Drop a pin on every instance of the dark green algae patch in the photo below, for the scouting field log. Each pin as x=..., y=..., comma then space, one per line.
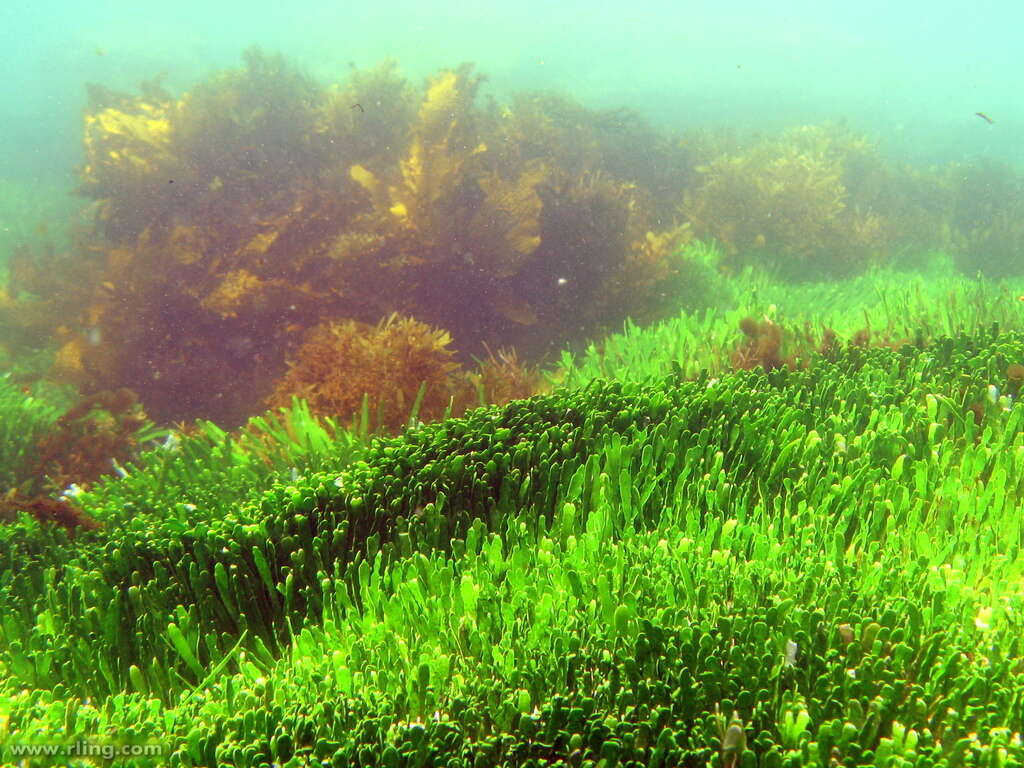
x=776, y=589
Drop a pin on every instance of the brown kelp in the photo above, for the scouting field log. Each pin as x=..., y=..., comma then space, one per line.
x=818, y=201
x=398, y=371
x=258, y=205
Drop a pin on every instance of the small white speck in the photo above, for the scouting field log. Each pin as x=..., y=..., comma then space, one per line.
x=791, y=651
x=73, y=491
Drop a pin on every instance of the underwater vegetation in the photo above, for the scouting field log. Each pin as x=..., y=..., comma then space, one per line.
x=404, y=369
x=800, y=567
x=391, y=365
x=48, y=453
x=230, y=220
x=25, y=421
x=989, y=218
x=98, y=432
x=817, y=201
x=778, y=527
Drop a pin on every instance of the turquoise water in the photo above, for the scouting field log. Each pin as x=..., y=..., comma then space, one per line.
x=913, y=76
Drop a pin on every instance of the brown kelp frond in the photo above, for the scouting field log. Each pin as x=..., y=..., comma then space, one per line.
x=130, y=165
x=783, y=194
x=425, y=194
x=608, y=254
x=555, y=129
x=251, y=125
x=505, y=228
x=368, y=118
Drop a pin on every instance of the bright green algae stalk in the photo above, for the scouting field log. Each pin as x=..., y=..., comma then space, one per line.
x=23, y=421
x=607, y=573
x=895, y=304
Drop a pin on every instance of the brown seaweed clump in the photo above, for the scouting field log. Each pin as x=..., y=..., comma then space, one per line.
x=94, y=438
x=766, y=344
x=499, y=378
x=761, y=345
x=1014, y=379
x=208, y=209
x=258, y=205
x=790, y=199
x=342, y=362
x=988, y=218
x=45, y=509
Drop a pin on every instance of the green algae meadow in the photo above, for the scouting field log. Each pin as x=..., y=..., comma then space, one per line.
x=664, y=561
x=511, y=385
